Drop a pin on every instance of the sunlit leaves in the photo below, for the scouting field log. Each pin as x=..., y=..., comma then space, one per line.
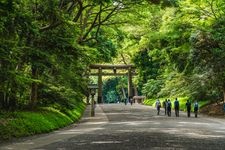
x=189, y=39
x=152, y=88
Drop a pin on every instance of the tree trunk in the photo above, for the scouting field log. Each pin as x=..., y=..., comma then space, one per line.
x=135, y=91
x=34, y=88
x=6, y=97
x=12, y=101
x=2, y=99
x=124, y=93
x=223, y=95
x=12, y=97
x=223, y=101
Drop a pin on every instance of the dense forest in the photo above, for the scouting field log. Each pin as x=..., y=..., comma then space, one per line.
x=177, y=46
x=178, y=49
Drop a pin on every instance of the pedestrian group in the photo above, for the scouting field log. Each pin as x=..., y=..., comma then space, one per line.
x=167, y=105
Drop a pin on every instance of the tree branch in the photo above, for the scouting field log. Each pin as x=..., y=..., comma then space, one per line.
x=123, y=59
x=99, y=20
x=109, y=15
x=212, y=9
x=81, y=8
x=50, y=26
x=90, y=28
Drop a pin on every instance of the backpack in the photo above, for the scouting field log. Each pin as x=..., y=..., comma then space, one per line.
x=188, y=104
x=176, y=104
x=159, y=105
x=169, y=104
x=196, y=104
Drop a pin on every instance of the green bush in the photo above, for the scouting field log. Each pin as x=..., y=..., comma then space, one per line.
x=46, y=119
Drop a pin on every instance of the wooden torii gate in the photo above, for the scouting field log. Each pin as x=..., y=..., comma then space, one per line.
x=130, y=72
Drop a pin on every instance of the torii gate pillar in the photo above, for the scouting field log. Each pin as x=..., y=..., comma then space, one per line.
x=100, y=85
x=130, y=91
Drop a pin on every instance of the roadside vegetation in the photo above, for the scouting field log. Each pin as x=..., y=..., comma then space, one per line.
x=43, y=120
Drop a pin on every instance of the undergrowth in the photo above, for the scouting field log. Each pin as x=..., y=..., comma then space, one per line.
x=43, y=120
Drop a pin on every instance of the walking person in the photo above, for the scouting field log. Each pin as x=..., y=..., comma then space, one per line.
x=169, y=106
x=188, y=106
x=196, y=109
x=125, y=101
x=158, y=106
x=176, y=106
x=165, y=106
x=131, y=101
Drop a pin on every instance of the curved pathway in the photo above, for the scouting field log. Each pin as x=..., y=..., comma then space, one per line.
x=120, y=127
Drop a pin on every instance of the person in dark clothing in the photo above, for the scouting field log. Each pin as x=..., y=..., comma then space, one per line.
x=131, y=101
x=196, y=109
x=165, y=106
x=176, y=106
x=188, y=106
x=125, y=101
x=169, y=106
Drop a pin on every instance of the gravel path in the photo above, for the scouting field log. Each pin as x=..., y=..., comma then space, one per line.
x=120, y=127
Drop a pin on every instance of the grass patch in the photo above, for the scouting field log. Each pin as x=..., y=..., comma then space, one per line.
x=150, y=102
x=24, y=123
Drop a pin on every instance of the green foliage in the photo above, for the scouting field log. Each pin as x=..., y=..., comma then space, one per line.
x=105, y=49
x=43, y=61
x=113, y=89
x=208, y=49
x=46, y=119
x=149, y=102
x=59, y=97
x=152, y=88
x=46, y=47
x=186, y=49
x=143, y=62
x=111, y=97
